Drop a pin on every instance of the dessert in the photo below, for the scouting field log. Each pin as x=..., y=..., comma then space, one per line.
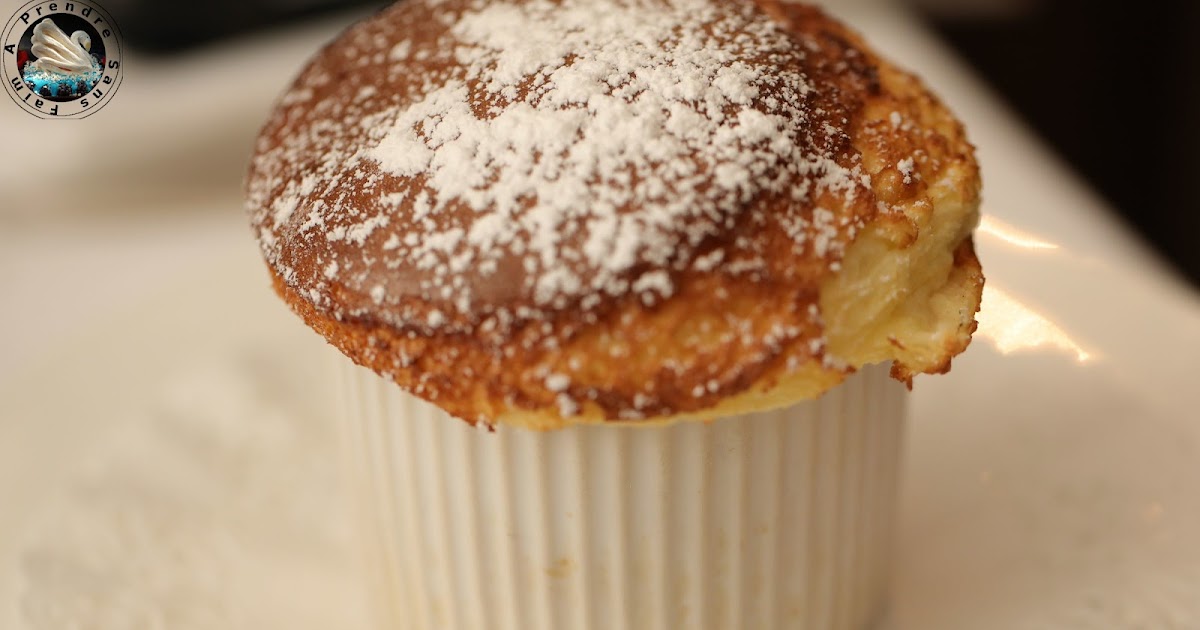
x=619, y=228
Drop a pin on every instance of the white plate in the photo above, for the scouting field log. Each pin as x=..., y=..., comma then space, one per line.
x=167, y=457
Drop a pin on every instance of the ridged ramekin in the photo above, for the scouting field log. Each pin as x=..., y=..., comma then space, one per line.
x=768, y=521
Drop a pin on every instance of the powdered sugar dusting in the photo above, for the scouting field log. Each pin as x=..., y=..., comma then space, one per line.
x=907, y=168
x=599, y=142
x=657, y=101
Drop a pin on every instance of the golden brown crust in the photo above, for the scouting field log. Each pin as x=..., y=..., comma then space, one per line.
x=761, y=324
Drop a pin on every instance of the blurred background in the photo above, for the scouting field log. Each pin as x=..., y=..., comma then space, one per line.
x=1114, y=88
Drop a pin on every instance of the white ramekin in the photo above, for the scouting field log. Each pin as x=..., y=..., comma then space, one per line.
x=769, y=521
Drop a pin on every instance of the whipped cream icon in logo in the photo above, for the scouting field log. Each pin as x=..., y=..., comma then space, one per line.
x=61, y=59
